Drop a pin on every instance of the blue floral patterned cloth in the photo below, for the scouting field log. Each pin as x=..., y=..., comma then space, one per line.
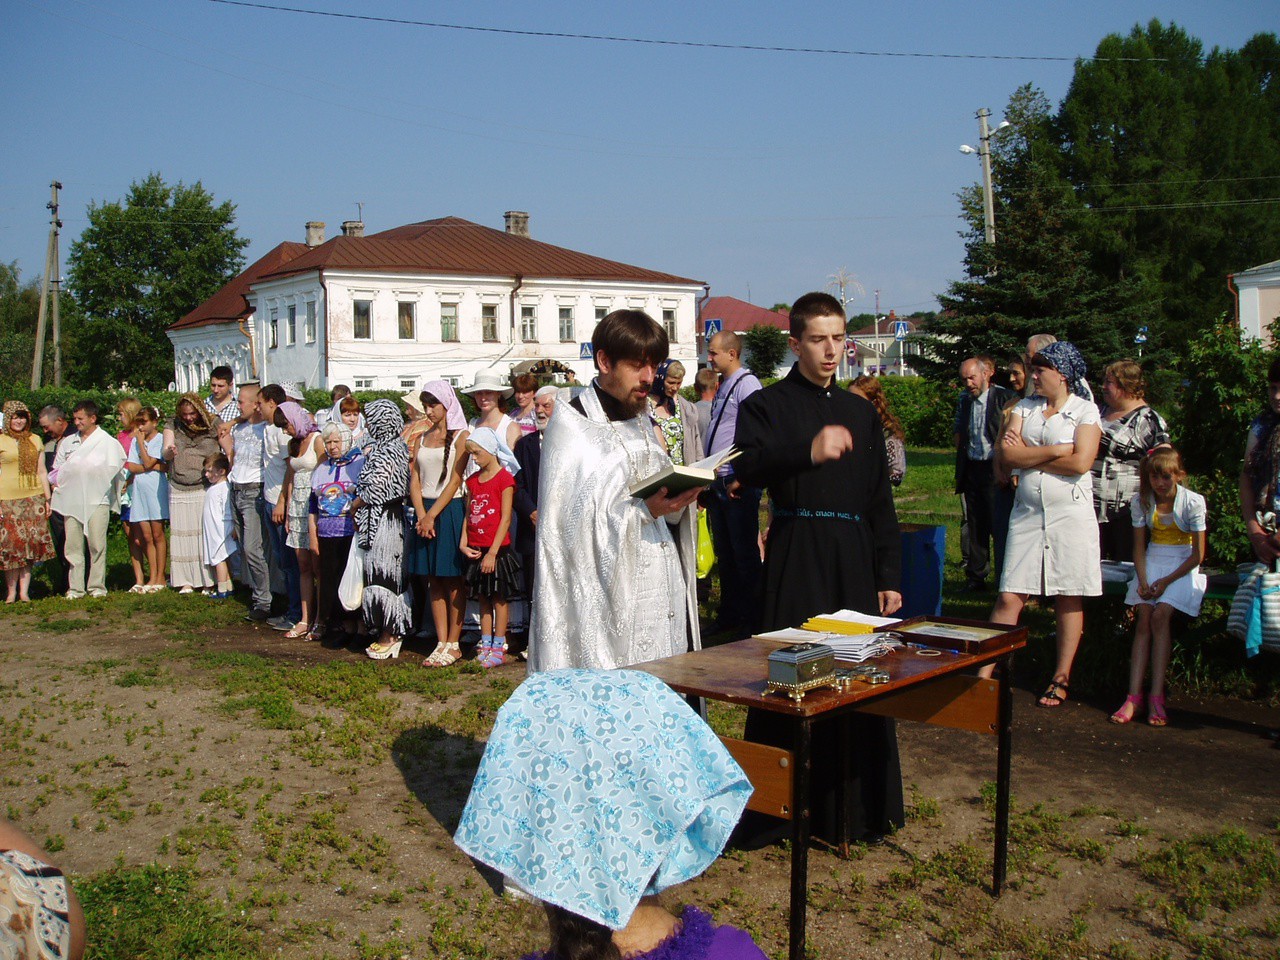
x=599, y=787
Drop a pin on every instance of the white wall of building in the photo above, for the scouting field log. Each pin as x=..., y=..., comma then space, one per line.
x=1259, y=295
x=296, y=352
x=385, y=360
x=196, y=351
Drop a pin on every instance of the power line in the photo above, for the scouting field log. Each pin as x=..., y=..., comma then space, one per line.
x=1143, y=183
x=1190, y=205
x=696, y=44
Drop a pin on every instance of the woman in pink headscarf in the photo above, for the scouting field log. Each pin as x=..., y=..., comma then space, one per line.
x=305, y=451
x=438, y=455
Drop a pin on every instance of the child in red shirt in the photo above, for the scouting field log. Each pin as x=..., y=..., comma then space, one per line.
x=493, y=572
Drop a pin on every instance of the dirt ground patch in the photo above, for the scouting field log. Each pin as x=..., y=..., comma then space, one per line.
x=314, y=794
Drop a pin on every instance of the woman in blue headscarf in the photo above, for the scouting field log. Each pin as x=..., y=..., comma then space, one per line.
x=1052, y=548
x=676, y=417
x=598, y=790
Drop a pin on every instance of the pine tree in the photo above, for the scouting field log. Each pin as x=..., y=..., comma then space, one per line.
x=1036, y=277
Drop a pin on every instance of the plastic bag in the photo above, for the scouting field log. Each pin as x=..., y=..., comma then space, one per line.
x=351, y=586
x=706, y=552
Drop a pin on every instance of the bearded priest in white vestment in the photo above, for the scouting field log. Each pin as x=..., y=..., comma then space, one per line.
x=615, y=579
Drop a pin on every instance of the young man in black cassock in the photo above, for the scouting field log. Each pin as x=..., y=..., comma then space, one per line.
x=833, y=543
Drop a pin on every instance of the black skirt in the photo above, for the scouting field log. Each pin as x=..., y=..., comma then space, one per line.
x=502, y=584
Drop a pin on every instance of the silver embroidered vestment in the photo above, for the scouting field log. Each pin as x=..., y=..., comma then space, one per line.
x=613, y=586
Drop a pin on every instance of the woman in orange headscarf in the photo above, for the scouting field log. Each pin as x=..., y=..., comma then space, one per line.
x=24, y=498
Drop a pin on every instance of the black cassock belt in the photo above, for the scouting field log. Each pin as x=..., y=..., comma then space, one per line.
x=802, y=513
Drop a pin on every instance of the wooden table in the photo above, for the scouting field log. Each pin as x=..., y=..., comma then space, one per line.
x=931, y=689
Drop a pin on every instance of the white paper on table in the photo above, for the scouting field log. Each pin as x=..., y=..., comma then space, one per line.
x=795, y=635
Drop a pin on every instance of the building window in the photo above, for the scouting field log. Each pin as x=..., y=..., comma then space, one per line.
x=528, y=324
x=566, y=324
x=291, y=325
x=601, y=313
x=489, y=322
x=448, y=321
x=408, y=384
x=361, y=328
x=310, y=330
x=452, y=380
x=362, y=383
x=669, y=324
x=275, y=328
x=405, y=315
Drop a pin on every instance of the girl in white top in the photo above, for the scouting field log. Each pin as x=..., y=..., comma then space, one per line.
x=1168, y=574
x=1052, y=547
x=435, y=491
x=304, y=450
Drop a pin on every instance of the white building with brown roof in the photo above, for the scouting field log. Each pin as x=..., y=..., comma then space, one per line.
x=438, y=299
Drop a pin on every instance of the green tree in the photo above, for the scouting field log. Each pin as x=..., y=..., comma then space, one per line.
x=765, y=348
x=1176, y=154
x=19, y=308
x=139, y=266
x=1036, y=277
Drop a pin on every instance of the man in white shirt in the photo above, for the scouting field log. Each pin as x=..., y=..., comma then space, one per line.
x=243, y=446
x=87, y=490
x=275, y=462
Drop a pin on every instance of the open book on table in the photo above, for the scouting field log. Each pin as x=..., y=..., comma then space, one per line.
x=679, y=479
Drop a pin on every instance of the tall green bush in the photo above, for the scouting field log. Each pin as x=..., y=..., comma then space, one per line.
x=925, y=409
x=1225, y=390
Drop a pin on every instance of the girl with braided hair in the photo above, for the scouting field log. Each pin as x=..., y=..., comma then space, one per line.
x=439, y=457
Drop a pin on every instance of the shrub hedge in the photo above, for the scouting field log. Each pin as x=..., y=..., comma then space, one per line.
x=164, y=400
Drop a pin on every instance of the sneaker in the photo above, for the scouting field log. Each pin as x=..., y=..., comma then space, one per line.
x=75, y=594
x=186, y=589
x=97, y=594
x=281, y=623
x=223, y=595
x=258, y=616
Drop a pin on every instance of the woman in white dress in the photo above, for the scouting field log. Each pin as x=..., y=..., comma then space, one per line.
x=1052, y=548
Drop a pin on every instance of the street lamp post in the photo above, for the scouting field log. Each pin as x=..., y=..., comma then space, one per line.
x=984, y=154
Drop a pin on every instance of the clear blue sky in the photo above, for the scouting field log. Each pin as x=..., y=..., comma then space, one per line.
x=760, y=173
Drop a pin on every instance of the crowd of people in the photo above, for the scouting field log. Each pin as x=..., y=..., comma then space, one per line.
x=252, y=486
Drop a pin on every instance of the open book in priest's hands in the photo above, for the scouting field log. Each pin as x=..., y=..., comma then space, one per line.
x=679, y=479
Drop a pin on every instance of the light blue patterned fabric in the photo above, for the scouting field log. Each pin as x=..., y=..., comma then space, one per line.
x=599, y=787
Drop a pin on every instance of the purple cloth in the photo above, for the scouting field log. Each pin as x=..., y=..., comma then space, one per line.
x=697, y=939
x=724, y=412
x=303, y=423
x=333, y=488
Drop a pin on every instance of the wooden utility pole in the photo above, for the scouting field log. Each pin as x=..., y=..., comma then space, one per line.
x=52, y=277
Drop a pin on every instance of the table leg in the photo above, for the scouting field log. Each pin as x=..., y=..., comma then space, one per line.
x=1004, y=741
x=800, y=828
x=844, y=796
